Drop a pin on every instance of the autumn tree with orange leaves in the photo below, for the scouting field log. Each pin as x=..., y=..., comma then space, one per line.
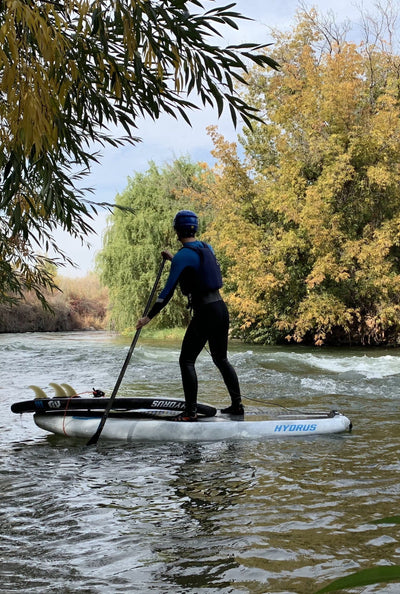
x=309, y=222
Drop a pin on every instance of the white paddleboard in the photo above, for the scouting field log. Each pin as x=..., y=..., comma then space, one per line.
x=218, y=428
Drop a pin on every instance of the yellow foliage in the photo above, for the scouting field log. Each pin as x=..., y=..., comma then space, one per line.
x=320, y=314
x=379, y=176
x=309, y=223
x=30, y=94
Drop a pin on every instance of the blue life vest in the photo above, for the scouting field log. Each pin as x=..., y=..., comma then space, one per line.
x=208, y=278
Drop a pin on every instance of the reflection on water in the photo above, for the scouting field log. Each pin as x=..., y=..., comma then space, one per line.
x=285, y=515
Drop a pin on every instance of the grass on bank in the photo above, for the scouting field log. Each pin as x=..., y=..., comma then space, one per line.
x=81, y=303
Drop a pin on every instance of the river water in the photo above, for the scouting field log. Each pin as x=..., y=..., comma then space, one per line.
x=285, y=515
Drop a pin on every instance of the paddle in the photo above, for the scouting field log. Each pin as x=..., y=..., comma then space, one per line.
x=93, y=440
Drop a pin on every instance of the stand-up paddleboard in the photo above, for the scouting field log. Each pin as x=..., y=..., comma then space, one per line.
x=128, y=427
x=151, y=419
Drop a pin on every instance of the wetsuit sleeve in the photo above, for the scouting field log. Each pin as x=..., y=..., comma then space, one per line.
x=179, y=262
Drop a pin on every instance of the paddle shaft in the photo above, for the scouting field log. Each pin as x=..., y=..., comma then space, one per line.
x=94, y=439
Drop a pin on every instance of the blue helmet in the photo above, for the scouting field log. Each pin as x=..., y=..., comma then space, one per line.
x=186, y=223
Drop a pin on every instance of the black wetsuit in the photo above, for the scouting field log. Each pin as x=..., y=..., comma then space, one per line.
x=210, y=322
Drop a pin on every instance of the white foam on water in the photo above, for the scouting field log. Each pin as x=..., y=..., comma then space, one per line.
x=367, y=366
x=325, y=385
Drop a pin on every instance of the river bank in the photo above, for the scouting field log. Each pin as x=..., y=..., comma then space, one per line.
x=79, y=304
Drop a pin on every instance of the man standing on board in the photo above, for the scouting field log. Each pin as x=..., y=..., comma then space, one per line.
x=197, y=271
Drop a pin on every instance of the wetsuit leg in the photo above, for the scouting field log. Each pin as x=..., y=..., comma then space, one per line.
x=210, y=322
x=218, y=327
x=193, y=342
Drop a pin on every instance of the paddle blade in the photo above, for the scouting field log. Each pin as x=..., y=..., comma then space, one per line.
x=94, y=439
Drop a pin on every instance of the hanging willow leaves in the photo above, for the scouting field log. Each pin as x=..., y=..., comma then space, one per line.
x=132, y=243
x=69, y=71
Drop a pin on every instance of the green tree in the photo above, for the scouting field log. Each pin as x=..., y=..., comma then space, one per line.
x=69, y=73
x=323, y=203
x=132, y=245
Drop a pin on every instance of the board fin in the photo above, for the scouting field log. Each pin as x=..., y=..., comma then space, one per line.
x=39, y=393
x=60, y=392
x=69, y=390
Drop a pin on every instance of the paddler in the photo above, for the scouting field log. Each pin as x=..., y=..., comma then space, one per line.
x=197, y=271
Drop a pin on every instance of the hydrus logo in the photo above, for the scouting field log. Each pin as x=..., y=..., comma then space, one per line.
x=295, y=427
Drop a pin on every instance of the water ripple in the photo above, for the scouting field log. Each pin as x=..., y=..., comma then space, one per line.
x=282, y=516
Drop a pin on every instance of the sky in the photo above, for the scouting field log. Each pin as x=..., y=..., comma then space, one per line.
x=167, y=139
